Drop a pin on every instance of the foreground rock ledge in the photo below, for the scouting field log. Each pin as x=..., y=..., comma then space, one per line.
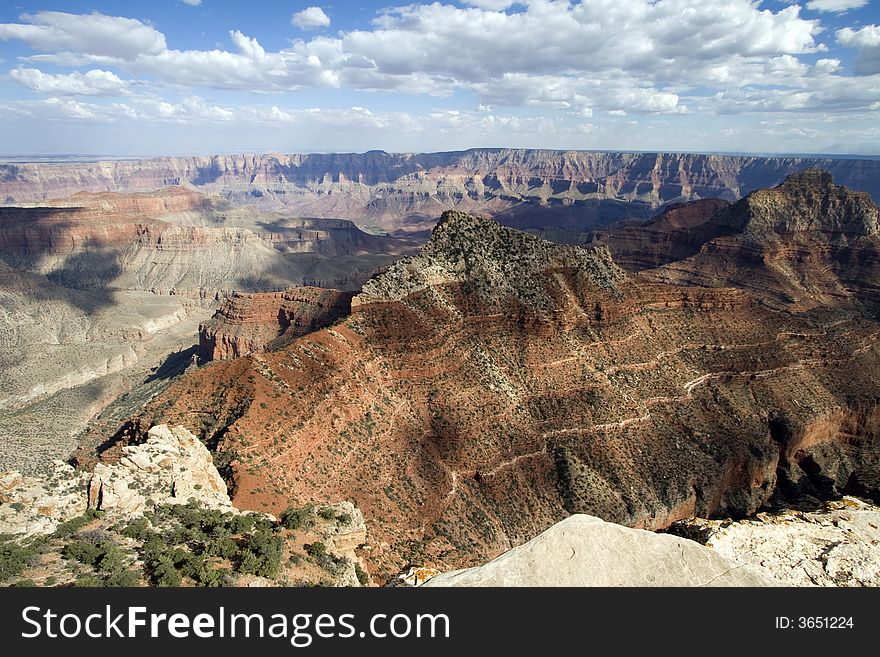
x=171, y=467
x=585, y=551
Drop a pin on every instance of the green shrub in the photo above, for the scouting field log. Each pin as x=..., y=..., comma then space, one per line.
x=113, y=560
x=138, y=529
x=71, y=527
x=362, y=575
x=89, y=581
x=316, y=549
x=293, y=518
x=123, y=578
x=14, y=558
x=209, y=576
x=223, y=547
x=85, y=552
x=248, y=562
x=162, y=572
x=261, y=554
x=241, y=524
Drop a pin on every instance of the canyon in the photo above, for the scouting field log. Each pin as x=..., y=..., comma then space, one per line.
x=103, y=292
x=574, y=190
x=496, y=383
x=675, y=350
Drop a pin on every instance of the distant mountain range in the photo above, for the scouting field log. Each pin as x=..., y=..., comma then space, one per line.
x=577, y=190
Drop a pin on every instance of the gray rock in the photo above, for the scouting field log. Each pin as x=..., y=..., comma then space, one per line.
x=171, y=467
x=586, y=551
x=835, y=546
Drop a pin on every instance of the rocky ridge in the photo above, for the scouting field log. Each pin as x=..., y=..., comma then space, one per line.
x=499, y=265
x=806, y=243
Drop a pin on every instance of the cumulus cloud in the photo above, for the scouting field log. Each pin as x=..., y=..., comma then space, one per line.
x=865, y=37
x=492, y=5
x=310, y=18
x=87, y=34
x=867, y=40
x=836, y=6
x=91, y=83
x=552, y=55
x=192, y=3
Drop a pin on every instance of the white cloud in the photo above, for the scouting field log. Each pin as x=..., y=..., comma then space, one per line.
x=310, y=18
x=867, y=40
x=865, y=37
x=87, y=34
x=91, y=83
x=836, y=6
x=188, y=110
x=679, y=56
x=492, y=5
x=192, y=3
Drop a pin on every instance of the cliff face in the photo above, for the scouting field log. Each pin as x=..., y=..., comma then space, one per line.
x=99, y=291
x=251, y=323
x=178, y=240
x=410, y=190
x=679, y=232
x=497, y=383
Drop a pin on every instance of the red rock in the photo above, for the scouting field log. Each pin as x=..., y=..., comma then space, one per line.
x=251, y=323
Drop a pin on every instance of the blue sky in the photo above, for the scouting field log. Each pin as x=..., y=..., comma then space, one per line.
x=217, y=76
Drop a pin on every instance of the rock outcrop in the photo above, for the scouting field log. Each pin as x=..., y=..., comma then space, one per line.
x=498, y=264
x=838, y=545
x=586, y=551
x=251, y=323
x=171, y=467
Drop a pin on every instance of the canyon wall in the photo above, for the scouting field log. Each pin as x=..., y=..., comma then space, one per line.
x=409, y=191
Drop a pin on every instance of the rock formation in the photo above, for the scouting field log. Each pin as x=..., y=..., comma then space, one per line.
x=160, y=515
x=249, y=323
x=180, y=241
x=832, y=546
x=409, y=191
x=804, y=244
x=496, y=383
x=585, y=551
x=171, y=467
